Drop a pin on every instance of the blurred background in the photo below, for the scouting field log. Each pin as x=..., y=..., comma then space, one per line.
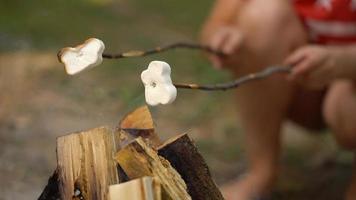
x=39, y=102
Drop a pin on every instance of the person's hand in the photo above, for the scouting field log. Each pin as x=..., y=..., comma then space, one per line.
x=226, y=39
x=314, y=66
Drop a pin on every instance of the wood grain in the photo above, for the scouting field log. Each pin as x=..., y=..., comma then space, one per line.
x=145, y=188
x=137, y=159
x=86, y=166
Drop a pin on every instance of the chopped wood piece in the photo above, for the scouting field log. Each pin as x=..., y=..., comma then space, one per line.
x=146, y=188
x=86, y=165
x=140, y=118
x=126, y=136
x=182, y=153
x=138, y=123
x=137, y=159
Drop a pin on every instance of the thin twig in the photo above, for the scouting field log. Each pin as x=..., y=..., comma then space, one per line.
x=236, y=83
x=223, y=86
x=162, y=49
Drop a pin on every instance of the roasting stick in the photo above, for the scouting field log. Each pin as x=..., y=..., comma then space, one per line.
x=90, y=54
x=159, y=88
x=178, y=45
x=237, y=82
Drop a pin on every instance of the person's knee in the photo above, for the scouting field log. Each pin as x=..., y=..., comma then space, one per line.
x=342, y=125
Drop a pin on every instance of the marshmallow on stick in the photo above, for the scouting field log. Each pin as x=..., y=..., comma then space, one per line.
x=84, y=56
x=159, y=88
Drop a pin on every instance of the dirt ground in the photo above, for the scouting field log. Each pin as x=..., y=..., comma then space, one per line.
x=39, y=103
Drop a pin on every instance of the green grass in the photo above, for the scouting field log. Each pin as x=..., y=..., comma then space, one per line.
x=52, y=24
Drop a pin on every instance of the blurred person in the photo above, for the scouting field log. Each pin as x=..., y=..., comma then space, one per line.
x=317, y=38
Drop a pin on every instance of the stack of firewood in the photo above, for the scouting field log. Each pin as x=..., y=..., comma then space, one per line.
x=129, y=163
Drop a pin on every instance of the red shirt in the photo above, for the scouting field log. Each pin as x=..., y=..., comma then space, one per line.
x=328, y=21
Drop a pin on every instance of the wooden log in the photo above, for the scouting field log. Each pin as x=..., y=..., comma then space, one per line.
x=86, y=166
x=138, y=123
x=146, y=188
x=182, y=153
x=137, y=159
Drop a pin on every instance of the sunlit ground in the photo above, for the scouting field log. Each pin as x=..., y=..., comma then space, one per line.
x=38, y=102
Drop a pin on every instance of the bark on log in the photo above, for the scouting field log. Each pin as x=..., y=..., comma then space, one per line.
x=137, y=159
x=86, y=165
x=146, y=188
x=182, y=153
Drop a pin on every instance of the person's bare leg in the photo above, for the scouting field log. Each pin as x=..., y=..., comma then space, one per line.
x=306, y=108
x=261, y=113
x=340, y=112
x=262, y=106
x=340, y=115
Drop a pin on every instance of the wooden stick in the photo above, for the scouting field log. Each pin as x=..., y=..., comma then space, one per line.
x=137, y=159
x=181, y=45
x=182, y=153
x=145, y=188
x=238, y=82
x=86, y=165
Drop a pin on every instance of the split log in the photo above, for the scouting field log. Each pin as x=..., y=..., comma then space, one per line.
x=138, y=123
x=86, y=166
x=185, y=158
x=137, y=159
x=146, y=188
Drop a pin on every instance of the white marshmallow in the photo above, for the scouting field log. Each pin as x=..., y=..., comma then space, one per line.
x=84, y=56
x=159, y=88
